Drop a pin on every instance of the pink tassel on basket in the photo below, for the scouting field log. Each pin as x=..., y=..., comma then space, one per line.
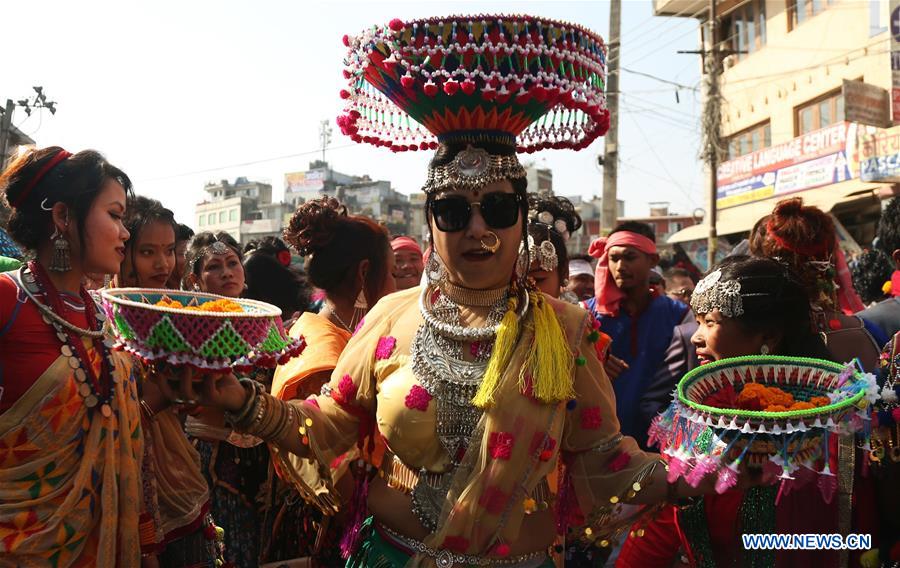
x=728, y=476
x=358, y=510
x=678, y=465
x=704, y=466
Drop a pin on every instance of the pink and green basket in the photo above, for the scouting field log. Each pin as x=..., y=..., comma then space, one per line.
x=702, y=440
x=209, y=341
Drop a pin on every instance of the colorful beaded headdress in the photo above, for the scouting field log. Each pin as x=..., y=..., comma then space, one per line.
x=520, y=81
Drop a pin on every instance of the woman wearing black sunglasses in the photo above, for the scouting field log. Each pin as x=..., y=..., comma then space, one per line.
x=465, y=393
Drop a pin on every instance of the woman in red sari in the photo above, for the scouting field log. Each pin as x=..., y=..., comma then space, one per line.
x=70, y=429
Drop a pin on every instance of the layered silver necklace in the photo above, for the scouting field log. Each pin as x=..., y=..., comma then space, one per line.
x=439, y=365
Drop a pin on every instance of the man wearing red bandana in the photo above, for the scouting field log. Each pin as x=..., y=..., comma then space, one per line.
x=639, y=321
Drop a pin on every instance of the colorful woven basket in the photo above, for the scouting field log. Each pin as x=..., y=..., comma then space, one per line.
x=523, y=79
x=702, y=439
x=209, y=341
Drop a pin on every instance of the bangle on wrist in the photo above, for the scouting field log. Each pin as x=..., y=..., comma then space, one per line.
x=148, y=410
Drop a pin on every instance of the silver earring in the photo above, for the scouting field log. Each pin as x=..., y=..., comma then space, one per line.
x=434, y=269
x=523, y=261
x=361, y=303
x=62, y=260
x=764, y=350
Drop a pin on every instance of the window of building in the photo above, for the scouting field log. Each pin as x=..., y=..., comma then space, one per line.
x=746, y=28
x=799, y=11
x=221, y=216
x=201, y=220
x=211, y=219
x=232, y=215
x=819, y=113
x=750, y=140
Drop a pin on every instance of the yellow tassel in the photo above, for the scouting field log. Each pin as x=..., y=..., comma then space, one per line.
x=551, y=361
x=504, y=345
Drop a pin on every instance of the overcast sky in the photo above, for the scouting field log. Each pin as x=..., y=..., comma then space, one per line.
x=181, y=93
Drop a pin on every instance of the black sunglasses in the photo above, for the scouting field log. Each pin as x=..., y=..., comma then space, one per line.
x=451, y=214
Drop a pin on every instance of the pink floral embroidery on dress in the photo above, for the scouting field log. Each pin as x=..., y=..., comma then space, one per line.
x=346, y=391
x=619, y=462
x=500, y=445
x=493, y=500
x=312, y=402
x=361, y=323
x=590, y=418
x=385, y=347
x=418, y=398
x=546, y=444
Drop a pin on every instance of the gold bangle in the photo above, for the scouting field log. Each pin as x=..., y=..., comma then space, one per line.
x=148, y=410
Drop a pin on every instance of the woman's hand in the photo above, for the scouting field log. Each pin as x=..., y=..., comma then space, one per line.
x=222, y=391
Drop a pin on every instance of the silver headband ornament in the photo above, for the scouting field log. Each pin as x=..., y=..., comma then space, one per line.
x=712, y=293
x=217, y=248
x=472, y=169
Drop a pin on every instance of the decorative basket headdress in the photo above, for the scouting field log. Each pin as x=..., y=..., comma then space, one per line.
x=525, y=82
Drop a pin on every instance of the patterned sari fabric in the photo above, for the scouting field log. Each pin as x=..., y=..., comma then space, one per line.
x=70, y=490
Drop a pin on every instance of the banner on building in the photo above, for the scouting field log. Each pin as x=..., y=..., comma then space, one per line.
x=304, y=181
x=815, y=159
x=879, y=156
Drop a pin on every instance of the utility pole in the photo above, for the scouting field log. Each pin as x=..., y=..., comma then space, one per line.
x=712, y=129
x=37, y=102
x=5, y=127
x=324, y=136
x=711, y=148
x=611, y=141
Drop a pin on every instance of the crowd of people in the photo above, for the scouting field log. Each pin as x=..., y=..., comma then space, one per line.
x=184, y=479
x=485, y=396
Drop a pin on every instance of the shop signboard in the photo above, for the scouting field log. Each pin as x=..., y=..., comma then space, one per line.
x=815, y=159
x=879, y=156
x=866, y=104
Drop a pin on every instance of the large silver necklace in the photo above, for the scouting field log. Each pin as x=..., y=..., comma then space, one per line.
x=452, y=381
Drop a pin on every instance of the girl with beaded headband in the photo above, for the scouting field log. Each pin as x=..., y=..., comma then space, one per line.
x=477, y=383
x=69, y=415
x=745, y=306
x=551, y=220
x=176, y=498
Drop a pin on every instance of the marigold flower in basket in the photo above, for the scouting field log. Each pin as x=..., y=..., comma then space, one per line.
x=208, y=332
x=761, y=411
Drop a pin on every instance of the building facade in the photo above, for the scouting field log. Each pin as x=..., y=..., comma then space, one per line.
x=244, y=209
x=803, y=82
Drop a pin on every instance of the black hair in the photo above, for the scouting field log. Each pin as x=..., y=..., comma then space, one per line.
x=197, y=248
x=270, y=281
x=676, y=272
x=336, y=243
x=267, y=245
x=871, y=270
x=141, y=212
x=774, y=299
x=642, y=229
x=183, y=233
x=889, y=228
x=75, y=181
